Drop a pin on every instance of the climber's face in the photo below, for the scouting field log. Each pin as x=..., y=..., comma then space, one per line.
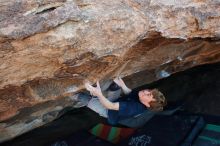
x=145, y=96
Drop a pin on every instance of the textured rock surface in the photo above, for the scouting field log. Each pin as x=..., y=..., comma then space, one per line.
x=49, y=48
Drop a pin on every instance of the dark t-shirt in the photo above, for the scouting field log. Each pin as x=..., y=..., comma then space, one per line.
x=129, y=106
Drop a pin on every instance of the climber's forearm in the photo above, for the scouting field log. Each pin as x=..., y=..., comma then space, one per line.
x=108, y=104
x=121, y=84
x=125, y=89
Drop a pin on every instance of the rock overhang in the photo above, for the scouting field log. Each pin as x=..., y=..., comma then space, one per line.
x=48, y=49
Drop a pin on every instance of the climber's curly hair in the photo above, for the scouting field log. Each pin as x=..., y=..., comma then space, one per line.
x=160, y=102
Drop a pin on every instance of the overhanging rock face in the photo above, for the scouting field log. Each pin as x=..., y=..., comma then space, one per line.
x=49, y=48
